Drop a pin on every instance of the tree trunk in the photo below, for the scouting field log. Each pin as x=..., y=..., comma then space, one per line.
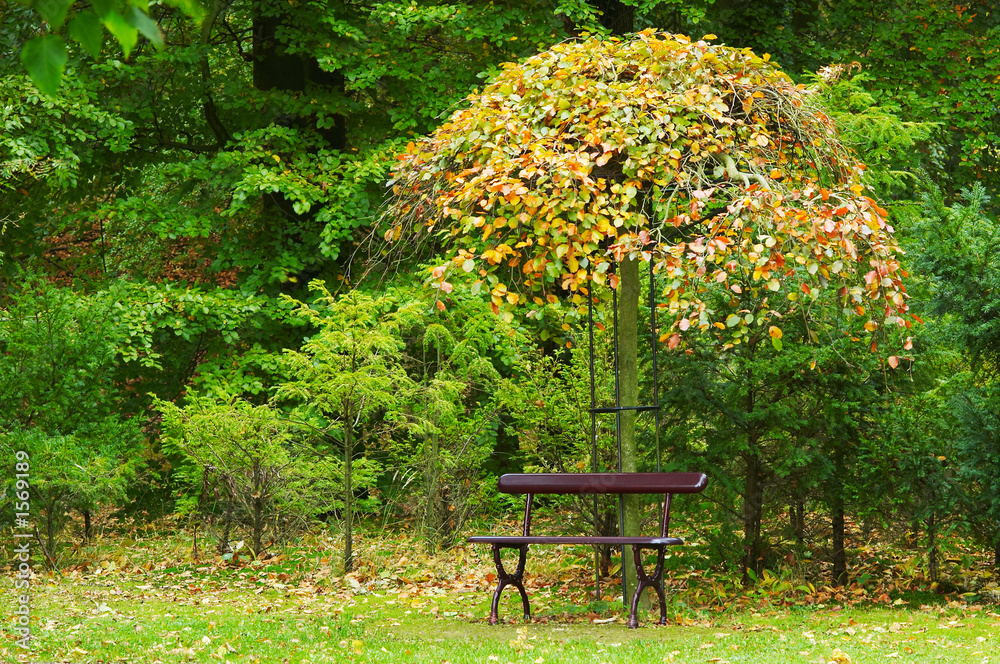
x=629, y=289
x=996, y=554
x=753, y=503
x=797, y=517
x=50, y=527
x=839, y=552
x=86, y=525
x=615, y=15
x=348, y=491
x=432, y=507
x=932, y=562
x=274, y=68
x=913, y=537
x=258, y=510
x=224, y=538
x=433, y=514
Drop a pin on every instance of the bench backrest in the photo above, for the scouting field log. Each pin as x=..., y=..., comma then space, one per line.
x=595, y=483
x=588, y=483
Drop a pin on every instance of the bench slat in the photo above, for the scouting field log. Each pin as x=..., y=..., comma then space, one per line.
x=517, y=540
x=588, y=483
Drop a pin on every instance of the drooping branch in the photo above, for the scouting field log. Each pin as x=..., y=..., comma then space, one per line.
x=735, y=174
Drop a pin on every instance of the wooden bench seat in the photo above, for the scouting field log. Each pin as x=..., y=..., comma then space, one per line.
x=666, y=484
x=515, y=540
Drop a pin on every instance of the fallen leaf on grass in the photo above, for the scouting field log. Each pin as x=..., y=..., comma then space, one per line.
x=838, y=656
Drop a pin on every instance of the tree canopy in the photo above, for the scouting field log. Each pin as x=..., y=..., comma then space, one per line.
x=706, y=159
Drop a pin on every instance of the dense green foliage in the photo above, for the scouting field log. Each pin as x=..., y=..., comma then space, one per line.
x=174, y=176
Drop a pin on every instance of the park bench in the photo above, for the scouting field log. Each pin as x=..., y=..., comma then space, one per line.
x=589, y=483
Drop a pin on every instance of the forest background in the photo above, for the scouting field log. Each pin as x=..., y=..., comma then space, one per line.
x=192, y=250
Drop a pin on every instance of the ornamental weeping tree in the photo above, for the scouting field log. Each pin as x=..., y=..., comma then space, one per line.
x=570, y=168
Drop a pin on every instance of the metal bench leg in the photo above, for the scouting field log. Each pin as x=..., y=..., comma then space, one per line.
x=647, y=582
x=504, y=579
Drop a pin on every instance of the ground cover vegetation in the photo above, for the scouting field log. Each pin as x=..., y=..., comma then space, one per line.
x=277, y=351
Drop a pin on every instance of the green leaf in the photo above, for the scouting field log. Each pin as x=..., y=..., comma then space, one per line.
x=53, y=11
x=776, y=342
x=45, y=59
x=85, y=28
x=126, y=35
x=141, y=4
x=189, y=7
x=146, y=25
x=103, y=7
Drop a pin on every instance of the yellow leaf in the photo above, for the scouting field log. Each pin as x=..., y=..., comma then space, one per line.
x=838, y=656
x=775, y=332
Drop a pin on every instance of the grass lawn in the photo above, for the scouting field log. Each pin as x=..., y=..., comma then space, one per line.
x=146, y=600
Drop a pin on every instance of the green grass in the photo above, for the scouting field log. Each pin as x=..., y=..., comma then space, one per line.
x=147, y=601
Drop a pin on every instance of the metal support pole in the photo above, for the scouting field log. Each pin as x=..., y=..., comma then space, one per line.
x=654, y=341
x=618, y=439
x=593, y=429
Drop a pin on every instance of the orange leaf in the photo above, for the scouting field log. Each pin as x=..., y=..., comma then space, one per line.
x=440, y=305
x=893, y=361
x=674, y=340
